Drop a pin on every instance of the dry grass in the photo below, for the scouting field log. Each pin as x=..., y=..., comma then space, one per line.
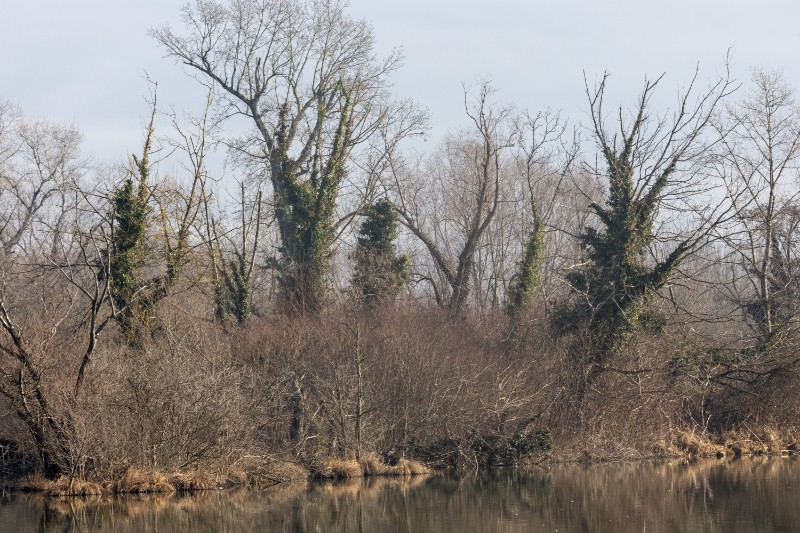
x=406, y=467
x=418, y=469
x=263, y=472
x=760, y=441
x=333, y=468
x=192, y=481
x=370, y=464
x=286, y=471
x=63, y=486
x=734, y=443
x=688, y=443
x=137, y=481
x=35, y=483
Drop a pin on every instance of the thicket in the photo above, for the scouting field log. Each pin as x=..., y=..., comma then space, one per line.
x=509, y=296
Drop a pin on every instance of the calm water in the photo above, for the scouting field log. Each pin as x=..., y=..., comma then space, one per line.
x=747, y=495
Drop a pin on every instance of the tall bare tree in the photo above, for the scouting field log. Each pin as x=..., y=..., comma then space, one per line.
x=544, y=165
x=306, y=77
x=467, y=177
x=760, y=156
x=48, y=328
x=40, y=162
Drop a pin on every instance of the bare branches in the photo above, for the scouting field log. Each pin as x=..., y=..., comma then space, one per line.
x=652, y=166
x=469, y=170
x=306, y=75
x=40, y=162
x=759, y=157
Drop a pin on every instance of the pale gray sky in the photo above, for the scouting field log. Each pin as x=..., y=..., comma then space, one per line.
x=83, y=61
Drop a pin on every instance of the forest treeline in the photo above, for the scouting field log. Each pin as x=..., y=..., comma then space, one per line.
x=625, y=287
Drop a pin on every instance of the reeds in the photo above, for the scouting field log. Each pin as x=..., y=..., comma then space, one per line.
x=136, y=481
x=333, y=468
x=194, y=480
x=741, y=442
x=369, y=464
x=131, y=481
x=62, y=486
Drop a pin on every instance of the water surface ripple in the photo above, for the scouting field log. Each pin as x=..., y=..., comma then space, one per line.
x=752, y=495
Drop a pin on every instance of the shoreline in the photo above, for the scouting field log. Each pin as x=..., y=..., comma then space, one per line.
x=141, y=481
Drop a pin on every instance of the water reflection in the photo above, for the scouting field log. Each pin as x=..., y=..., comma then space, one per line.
x=747, y=495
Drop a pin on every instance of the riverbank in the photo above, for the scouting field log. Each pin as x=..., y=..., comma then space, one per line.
x=408, y=383
x=260, y=473
x=750, y=495
x=685, y=444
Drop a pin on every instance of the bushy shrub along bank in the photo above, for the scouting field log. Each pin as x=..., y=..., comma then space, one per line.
x=345, y=395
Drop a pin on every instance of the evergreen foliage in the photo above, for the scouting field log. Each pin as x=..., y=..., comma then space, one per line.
x=128, y=246
x=617, y=280
x=135, y=292
x=641, y=163
x=379, y=273
x=526, y=279
x=304, y=208
x=232, y=297
x=309, y=79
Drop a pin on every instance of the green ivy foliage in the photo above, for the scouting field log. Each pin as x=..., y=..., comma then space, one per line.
x=128, y=248
x=616, y=281
x=380, y=274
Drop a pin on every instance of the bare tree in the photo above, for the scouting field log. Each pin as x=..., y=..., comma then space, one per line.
x=760, y=156
x=40, y=161
x=306, y=77
x=544, y=165
x=466, y=178
x=45, y=346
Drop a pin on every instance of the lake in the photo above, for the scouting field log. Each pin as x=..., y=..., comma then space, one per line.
x=746, y=495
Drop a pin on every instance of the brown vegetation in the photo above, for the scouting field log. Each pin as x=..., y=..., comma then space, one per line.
x=369, y=464
x=558, y=305
x=260, y=405
x=62, y=486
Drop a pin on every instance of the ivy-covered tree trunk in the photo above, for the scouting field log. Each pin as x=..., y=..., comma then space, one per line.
x=232, y=278
x=128, y=249
x=644, y=166
x=308, y=78
x=304, y=209
x=379, y=273
x=232, y=293
x=520, y=293
x=134, y=292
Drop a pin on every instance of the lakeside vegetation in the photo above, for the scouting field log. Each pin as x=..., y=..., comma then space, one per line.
x=343, y=305
x=748, y=494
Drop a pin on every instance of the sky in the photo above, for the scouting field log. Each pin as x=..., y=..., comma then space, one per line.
x=85, y=62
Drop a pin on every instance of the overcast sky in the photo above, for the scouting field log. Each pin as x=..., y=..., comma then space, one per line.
x=84, y=61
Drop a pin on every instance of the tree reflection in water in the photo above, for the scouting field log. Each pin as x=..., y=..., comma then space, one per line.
x=745, y=495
